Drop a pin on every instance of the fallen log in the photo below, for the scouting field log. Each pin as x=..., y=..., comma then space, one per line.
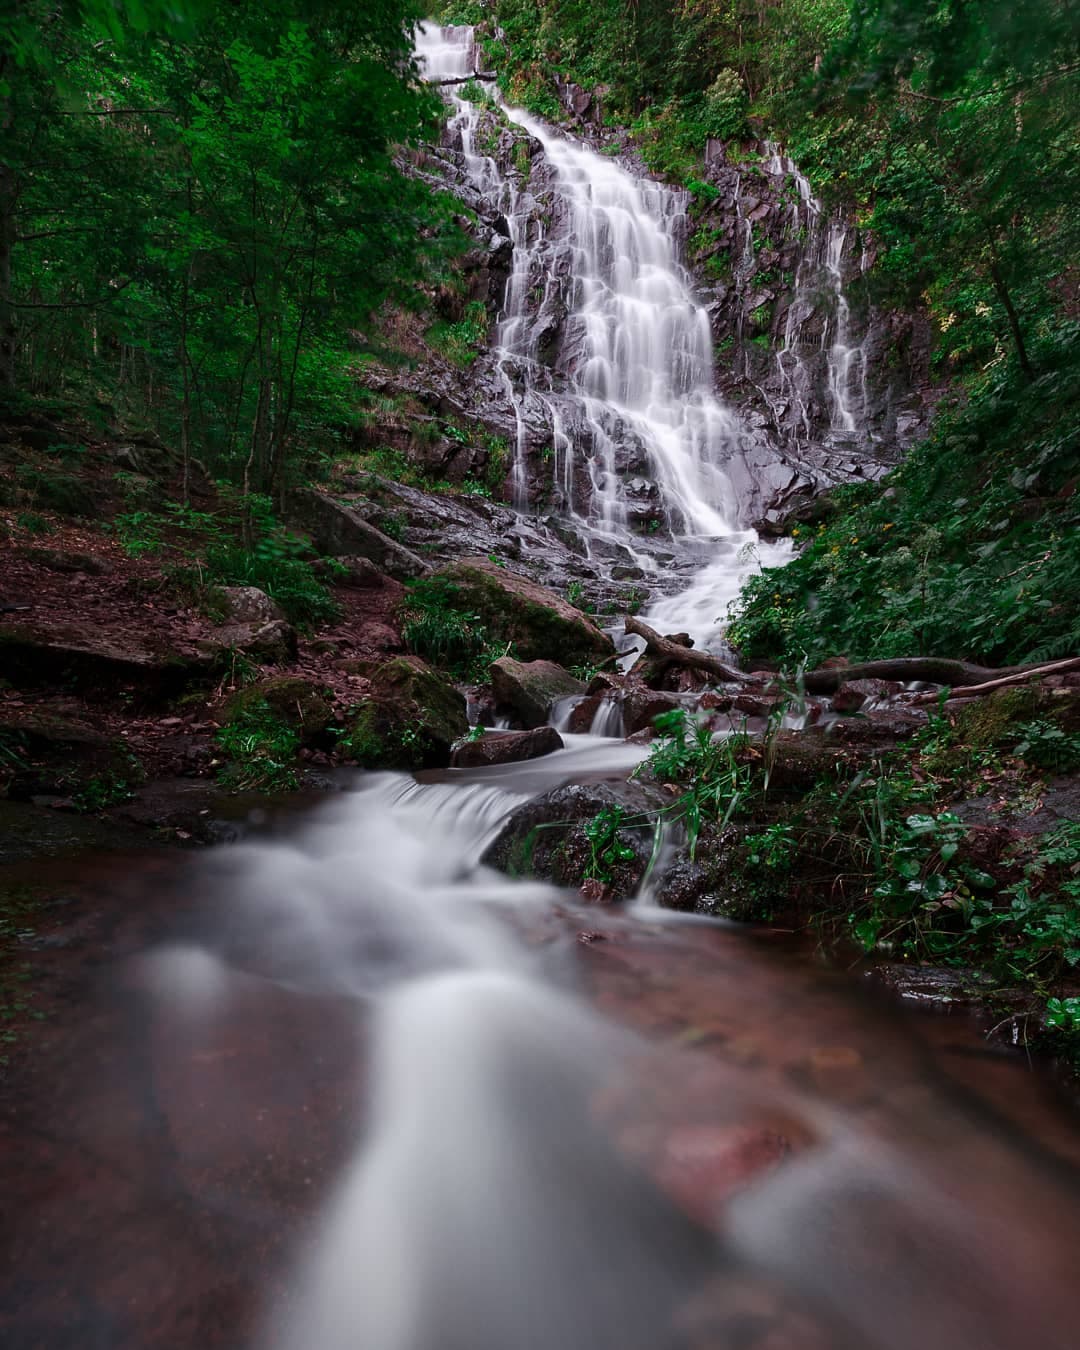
x=931, y=669
x=1004, y=681
x=965, y=678
x=466, y=79
x=665, y=653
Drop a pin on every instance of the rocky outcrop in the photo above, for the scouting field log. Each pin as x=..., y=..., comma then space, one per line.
x=527, y=690
x=337, y=528
x=533, y=619
x=83, y=656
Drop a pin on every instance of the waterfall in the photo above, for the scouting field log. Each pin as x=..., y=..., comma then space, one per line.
x=819, y=295
x=602, y=344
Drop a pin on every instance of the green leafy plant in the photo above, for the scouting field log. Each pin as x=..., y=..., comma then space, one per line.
x=260, y=749
x=1048, y=746
x=436, y=626
x=606, y=848
x=33, y=523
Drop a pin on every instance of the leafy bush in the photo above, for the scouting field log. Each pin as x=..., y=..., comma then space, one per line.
x=461, y=342
x=436, y=626
x=33, y=523
x=726, y=105
x=970, y=548
x=273, y=565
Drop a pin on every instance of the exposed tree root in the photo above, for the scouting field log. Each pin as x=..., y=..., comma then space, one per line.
x=663, y=653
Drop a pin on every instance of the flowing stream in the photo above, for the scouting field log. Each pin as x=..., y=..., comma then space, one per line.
x=415, y=1104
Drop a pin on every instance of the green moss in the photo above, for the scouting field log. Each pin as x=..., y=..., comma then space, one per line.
x=992, y=720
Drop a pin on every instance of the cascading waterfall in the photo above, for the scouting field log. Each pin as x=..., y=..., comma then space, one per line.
x=819, y=290
x=638, y=439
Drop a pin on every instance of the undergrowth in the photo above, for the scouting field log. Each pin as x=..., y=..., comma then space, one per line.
x=259, y=748
x=970, y=548
x=438, y=626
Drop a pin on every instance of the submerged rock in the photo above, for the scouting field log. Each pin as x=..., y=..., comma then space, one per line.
x=506, y=747
x=528, y=689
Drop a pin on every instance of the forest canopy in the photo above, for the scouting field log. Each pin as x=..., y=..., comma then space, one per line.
x=199, y=203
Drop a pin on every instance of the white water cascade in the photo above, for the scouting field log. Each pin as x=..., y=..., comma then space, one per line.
x=638, y=436
x=819, y=289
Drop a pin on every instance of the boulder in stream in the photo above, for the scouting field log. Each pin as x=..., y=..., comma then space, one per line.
x=526, y=690
x=546, y=838
x=506, y=747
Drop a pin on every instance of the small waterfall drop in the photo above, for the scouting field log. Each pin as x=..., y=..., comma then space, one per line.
x=819, y=291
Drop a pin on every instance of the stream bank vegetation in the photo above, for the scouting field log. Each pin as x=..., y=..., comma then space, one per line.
x=956, y=847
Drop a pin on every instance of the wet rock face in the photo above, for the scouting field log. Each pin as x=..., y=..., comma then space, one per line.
x=506, y=747
x=527, y=690
x=840, y=386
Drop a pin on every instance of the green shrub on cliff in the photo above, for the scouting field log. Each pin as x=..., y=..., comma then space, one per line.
x=971, y=548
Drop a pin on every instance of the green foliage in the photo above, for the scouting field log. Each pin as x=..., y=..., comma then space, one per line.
x=1063, y=1014
x=101, y=791
x=461, y=342
x=138, y=532
x=436, y=625
x=260, y=747
x=971, y=547
x=1048, y=746
x=33, y=523
x=717, y=778
x=606, y=848
x=202, y=206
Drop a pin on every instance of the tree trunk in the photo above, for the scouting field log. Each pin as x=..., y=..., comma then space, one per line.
x=1014, y=321
x=8, y=331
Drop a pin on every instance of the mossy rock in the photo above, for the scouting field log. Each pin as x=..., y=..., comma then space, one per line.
x=546, y=838
x=529, y=689
x=540, y=624
x=410, y=721
x=995, y=718
x=299, y=703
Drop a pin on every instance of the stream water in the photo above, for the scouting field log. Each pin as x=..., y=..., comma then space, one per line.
x=347, y=1088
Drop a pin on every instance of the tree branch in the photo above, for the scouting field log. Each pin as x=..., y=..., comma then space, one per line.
x=466, y=79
